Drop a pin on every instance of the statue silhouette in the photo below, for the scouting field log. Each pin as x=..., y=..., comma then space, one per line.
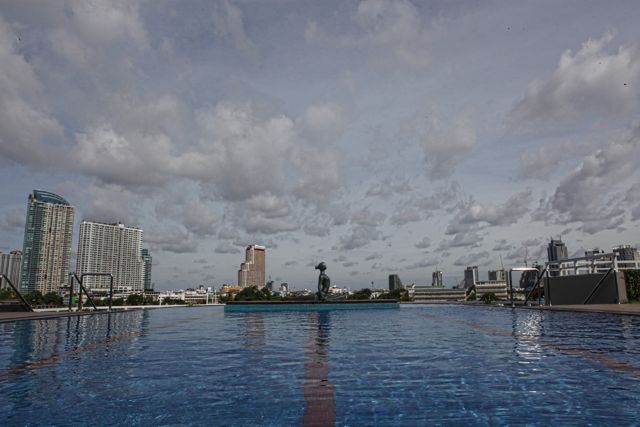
x=324, y=283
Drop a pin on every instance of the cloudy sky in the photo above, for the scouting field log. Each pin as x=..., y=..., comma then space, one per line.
x=378, y=136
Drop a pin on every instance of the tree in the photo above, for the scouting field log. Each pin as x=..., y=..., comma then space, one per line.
x=135, y=299
x=252, y=293
x=7, y=293
x=52, y=298
x=362, y=294
x=34, y=298
x=489, y=297
x=632, y=280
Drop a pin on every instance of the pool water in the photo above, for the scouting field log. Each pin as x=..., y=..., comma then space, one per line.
x=420, y=365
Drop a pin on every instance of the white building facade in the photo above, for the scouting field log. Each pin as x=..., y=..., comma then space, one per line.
x=10, y=265
x=113, y=249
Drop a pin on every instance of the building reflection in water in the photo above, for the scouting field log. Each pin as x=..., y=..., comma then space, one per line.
x=319, y=394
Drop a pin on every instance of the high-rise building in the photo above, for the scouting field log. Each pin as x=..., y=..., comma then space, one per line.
x=471, y=276
x=497, y=275
x=146, y=270
x=436, y=278
x=626, y=253
x=252, y=270
x=10, y=266
x=114, y=249
x=556, y=251
x=394, y=282
x=48, y=232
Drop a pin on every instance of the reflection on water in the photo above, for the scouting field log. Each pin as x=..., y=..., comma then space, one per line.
x=319, y=393
x=527, y=332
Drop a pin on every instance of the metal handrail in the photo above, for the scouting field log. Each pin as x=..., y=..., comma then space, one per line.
x=82, y=288
x=82, y=276
x=537, y=285
x=600, y=282
x=24, y=301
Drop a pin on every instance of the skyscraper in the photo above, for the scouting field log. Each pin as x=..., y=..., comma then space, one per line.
x=394, y=282
x=10, y=266
x=48, y=232
x=114, y=249
x=436, y=278
x=146, y=267
x=497, y=275
x=556, y=251
x=252, y=270
x=471, y=276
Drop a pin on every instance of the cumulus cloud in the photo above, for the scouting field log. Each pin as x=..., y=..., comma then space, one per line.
x=512, y=210
x=590, y=81
x=473, y=259
x=171, y=240
x=540, y=162
x=502, y=245
x=424, y=243
x=446, y=144
x=28, y=133
x=226, y=248
x=585, y=195
x=422, y=264
x=228, y=24
x=390, y=31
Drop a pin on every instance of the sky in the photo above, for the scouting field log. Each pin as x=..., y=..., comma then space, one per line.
x=381, y=137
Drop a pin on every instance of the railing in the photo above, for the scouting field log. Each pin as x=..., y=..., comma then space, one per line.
x=537, y=285
x=520, y=269
x=597, y=286
x=82, y=288
x=24, y=302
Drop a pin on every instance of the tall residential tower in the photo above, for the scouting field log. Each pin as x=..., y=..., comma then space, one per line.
x=114, y=249
x=48, y=232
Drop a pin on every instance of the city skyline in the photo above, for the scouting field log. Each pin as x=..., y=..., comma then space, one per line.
x=380, y=137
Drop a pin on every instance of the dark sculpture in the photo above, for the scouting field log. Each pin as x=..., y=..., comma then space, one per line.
x=324, y=283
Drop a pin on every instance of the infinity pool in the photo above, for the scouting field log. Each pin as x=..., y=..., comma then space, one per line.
x=420, y=365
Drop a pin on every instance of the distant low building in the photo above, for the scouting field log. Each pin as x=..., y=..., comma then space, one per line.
x=626, y=253
x=497, y=275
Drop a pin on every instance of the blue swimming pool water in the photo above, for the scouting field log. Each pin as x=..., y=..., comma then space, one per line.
x=420, y=365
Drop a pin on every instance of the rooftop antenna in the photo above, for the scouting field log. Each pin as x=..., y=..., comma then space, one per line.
x=501, y=263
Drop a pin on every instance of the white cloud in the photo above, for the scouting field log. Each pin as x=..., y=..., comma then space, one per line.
x=590, y=81
x=446, y=144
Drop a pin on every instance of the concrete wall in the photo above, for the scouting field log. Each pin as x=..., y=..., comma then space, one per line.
x=575, y=289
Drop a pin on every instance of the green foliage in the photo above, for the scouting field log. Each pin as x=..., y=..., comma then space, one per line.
x=117, y=301
x=399, y=294
x=362, y=294
x=34, y=298
x=489, y=297
x=252, y=293
x=135, y=299
x=632, y=279
x=7, y=293
x=52, y=298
